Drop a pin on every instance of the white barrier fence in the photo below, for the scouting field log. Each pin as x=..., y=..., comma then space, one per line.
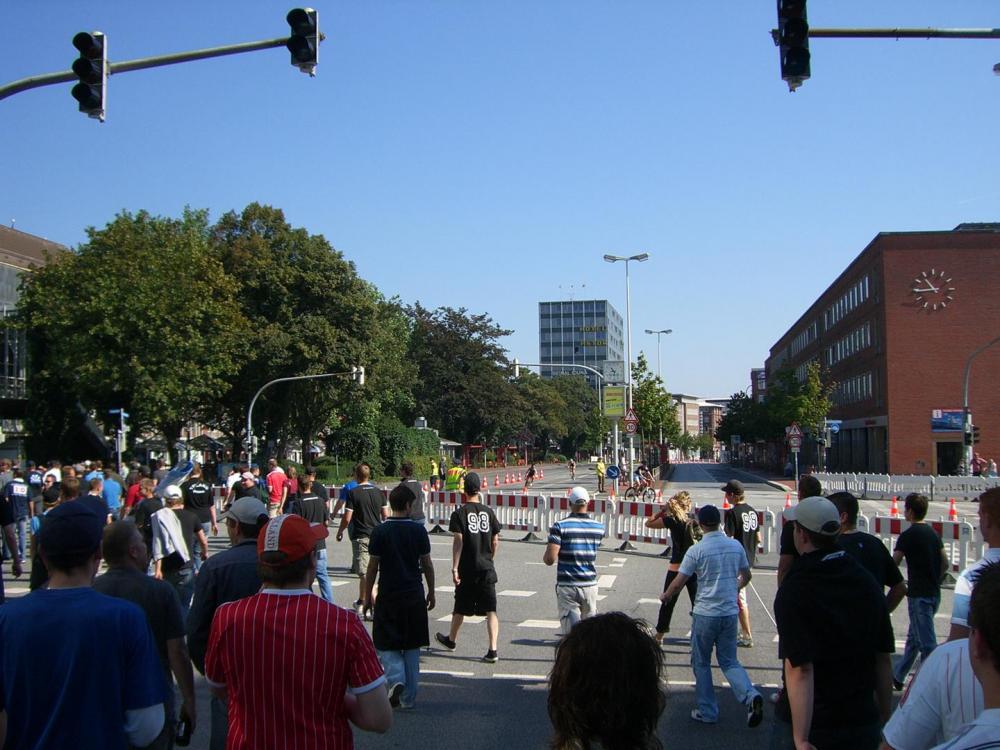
x=886, y=486
x=625, y=521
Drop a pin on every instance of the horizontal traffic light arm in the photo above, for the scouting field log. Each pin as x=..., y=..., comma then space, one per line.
x=848, y=33
x=142, y=63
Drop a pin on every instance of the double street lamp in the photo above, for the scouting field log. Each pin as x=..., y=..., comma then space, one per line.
x=659, y=374
x=640, y=258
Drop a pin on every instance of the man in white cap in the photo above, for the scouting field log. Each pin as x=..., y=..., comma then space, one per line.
x=835, y=640
x=573, y=543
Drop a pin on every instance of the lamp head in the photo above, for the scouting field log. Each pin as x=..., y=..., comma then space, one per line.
x=641, y=257
x=611, y=258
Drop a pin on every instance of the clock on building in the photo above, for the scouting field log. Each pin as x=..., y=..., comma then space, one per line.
x=932, y=290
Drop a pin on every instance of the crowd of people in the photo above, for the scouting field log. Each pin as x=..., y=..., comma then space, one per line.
x=126, y=604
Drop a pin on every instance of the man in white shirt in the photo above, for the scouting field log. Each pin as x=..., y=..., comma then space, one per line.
x=943, y=696
x=983, y=733
x=989, y=525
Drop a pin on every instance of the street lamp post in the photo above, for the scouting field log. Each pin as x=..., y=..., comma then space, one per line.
x=640, y=258
x=659, y=374
x=356, y=373
x=966, y=413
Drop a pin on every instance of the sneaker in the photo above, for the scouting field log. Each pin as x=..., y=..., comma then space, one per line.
x=744, y=642
x=897, y=685
x=359, y=607
x=395, y=692
x=696, y=715
x=491, y=657
x=445, y=641
x=755, y=712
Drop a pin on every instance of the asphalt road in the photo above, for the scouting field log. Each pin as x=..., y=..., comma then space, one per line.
x=465, y=703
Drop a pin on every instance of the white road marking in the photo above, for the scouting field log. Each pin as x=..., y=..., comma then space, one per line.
x=532, y=677
x=442, y=543
x=445, y=589
x=534, y=563
x=601, y=597
x=441, y=559
x=775, y=639
x=512, y=592
x=616, y=565
x=606, y=582
x=339, y=583
x=473, y=620
x=619, y=559
x=548, y=624
x=650, y=601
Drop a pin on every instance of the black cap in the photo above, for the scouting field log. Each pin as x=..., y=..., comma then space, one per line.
x=734, y=486
x=472, y=483
x=70, y=529
x=708, y=515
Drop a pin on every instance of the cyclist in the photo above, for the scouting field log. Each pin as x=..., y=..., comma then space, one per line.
x=530, y=476
x=643, y=477
x=572, y=469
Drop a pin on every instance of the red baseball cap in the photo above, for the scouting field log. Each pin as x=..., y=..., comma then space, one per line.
x=293, y=535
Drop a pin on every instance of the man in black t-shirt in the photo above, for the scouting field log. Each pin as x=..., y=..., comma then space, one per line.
x=742, y=525
x=364, y=509
x=868, y=550
x=927, y=564
x=475, y=537
x=835, y=641
x=198, y=499
x=312, y=507
x=407, y=480
x=809, y=486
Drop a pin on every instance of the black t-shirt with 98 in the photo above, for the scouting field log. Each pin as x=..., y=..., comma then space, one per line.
x=478, y=525
x=742, y=524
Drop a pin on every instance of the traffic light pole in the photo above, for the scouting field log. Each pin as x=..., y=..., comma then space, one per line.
x=847, y=33
x=142, y=63
x=966, y=413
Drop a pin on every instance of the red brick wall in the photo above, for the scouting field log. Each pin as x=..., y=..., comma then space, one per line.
x=927, y=351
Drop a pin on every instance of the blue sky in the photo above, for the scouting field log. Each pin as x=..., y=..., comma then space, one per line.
x=487, y=154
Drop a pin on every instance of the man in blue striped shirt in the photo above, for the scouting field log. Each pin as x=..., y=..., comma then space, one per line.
x=573, y=542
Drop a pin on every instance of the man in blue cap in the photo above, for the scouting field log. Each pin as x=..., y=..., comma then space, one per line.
x=722, y=568
x=57, y=643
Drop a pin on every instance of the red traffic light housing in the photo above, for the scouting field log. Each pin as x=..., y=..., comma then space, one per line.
x=304, y=41
x=91, y=67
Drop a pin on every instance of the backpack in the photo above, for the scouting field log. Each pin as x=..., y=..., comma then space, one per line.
x=692, y=530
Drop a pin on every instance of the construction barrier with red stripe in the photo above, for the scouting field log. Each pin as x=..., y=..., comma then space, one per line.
x=959, y=538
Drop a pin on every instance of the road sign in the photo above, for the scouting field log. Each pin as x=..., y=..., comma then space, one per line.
x=631, y=427
x=614, y=401
x=631, y=421
x=794, y=431
x=795, y=443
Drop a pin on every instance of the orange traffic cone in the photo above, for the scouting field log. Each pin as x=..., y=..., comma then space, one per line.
x=506, y=477
x=486, y=482
x=788, y=500
x=726, y=505
x=894, y=510
x=496, y=480
x=952, y=511
x=541, y=473
x=519, y=480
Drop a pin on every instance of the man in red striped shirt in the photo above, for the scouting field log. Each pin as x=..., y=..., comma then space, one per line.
x=295, y=669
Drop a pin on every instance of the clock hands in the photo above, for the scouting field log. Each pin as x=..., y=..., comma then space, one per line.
x=930, y=288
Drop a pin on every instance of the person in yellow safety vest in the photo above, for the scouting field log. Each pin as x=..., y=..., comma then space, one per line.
x=434, y=474
x=600, y=469
x=453, y=479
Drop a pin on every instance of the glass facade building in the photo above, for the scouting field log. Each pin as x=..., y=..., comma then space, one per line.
x=581, y=332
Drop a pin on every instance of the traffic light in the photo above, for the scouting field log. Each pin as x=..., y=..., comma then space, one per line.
x=793, y=41
x=975, y=434
x=304, y=41
x=91, y=67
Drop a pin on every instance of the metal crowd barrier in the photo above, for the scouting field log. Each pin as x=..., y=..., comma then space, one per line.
x=958, y=537
x=886, y=486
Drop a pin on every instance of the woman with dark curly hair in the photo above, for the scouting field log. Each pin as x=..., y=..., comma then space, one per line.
x=604, y=689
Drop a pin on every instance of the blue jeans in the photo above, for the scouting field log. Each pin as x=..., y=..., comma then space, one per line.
x=183, y=582
x=402, y=666
x=323, y=576
x=719, y=633
x=22, y=536
x=920, y=638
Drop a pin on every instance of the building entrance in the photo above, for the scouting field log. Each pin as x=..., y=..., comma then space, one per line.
x=949, y=457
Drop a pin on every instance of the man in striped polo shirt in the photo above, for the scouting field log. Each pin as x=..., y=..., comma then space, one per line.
x=295, y=669
x=573, y=542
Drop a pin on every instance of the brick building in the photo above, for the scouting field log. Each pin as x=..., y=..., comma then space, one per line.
x=895, y=331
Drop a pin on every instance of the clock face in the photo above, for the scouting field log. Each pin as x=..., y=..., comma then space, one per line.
x=932, y=290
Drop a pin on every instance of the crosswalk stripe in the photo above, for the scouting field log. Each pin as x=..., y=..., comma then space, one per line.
x=649, y=601
x=446, y=672
x=548, y=624
x=513, y=592
x=473, y=620
x=445, y=589
x=532, y=677
x=606, y=582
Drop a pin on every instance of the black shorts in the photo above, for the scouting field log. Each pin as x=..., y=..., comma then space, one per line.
x=476, y=596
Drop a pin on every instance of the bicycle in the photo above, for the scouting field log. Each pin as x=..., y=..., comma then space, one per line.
x=641, y=491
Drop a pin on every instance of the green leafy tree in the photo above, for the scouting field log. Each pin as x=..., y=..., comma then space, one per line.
x=142, y=316
x=307, y=313
x=655, y=407
x=461, y=380
x=582, y=414
x=806, y=403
